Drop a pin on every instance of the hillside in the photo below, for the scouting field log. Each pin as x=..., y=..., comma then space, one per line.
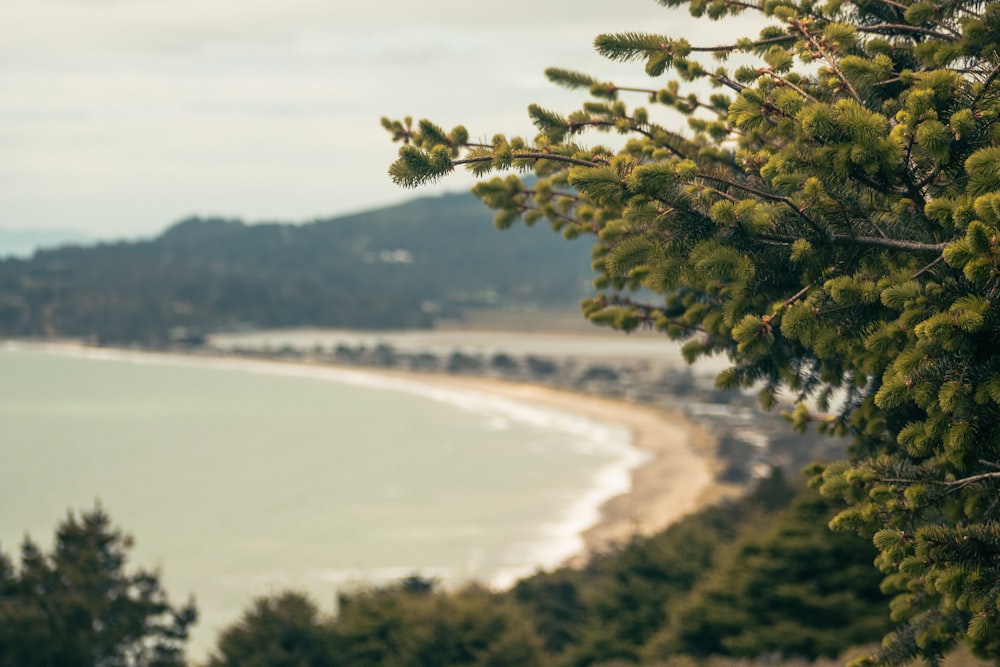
x=396, y=267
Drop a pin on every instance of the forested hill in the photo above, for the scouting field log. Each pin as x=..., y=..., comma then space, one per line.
x=396, y=267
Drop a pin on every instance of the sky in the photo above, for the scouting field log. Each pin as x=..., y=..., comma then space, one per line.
x=121, y=117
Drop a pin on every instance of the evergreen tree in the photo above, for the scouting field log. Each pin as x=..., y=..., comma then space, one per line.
x=285, y=630
x=78, y=606
x=411, y=623
x=792, y=589
x=829, y=220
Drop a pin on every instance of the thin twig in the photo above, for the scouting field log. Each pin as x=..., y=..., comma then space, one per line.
x=734, y=47
x=837, y=239
x=765, y=195
x=927, y=268
x=555, y=157
x=882, y=28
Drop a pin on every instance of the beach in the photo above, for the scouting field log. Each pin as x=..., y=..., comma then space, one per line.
x=675, y=475
x=637, y=470
x=681, y=471
x=677, y=478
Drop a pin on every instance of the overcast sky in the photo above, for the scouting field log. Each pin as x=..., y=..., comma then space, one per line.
x=120, y=117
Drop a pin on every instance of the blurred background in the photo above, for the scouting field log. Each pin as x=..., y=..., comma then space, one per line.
x=119, y=117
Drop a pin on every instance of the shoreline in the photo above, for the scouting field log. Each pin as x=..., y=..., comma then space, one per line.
x=677, y=477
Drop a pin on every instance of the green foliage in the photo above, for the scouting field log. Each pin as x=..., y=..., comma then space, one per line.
x=78, y=606
x=285, y=630
x=406, y=623
x=375, y=270
x=759, y=575
x=794, y=589
x=629, y=595
x=830, y=224
x=397, y=625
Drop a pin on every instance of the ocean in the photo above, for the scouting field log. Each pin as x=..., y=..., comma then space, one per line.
x=240, y=478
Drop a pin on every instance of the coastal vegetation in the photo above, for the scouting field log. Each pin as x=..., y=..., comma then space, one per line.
x=829, y=222
x=82, y=604
x=406, y=266
x=755, y=576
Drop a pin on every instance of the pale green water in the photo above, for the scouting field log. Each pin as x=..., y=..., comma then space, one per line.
x=241, y=478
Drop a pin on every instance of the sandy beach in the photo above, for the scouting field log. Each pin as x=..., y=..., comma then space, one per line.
x=681, y=474
x=679, y=478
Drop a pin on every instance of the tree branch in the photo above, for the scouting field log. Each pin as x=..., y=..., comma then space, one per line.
x=830, y=60
x=555, y=157
x=958, y=484
x=733, y=47
x=870, y=241
x=783, y=82
x=949, y=486
x=765, y=195
x=890, y=28
x=647, y=313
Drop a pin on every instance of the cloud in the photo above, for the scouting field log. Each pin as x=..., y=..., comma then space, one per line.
x=123, y=115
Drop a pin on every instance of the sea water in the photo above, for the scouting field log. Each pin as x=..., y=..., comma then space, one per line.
x=240, y=478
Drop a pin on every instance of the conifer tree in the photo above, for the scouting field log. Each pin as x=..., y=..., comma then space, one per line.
x=829, y=220
x=79, y=605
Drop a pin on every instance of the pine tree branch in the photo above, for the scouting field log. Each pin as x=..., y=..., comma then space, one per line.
x=720, y=193
x=917, y=190
x=783, y=82
x=696, y=104
x=645, y=44
x=575, y=127
x=950, y=486
x=784, y=304
x=927, y=180
x=647, y=314
x=593, y=227
x=630, y=89
x=765, y=195
x=729, y=48
x=727, y=82
x=830, y=60
x=901, y=12
x=927, y=268
x=987, y=82
x=897, y=5
x=741, y=5
x=895, y=28
x=878, y=229
x=554, y=157
x=870, y=241
x=894, y=244
x=958, y=484
x=555, y=193
x=795, y=297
